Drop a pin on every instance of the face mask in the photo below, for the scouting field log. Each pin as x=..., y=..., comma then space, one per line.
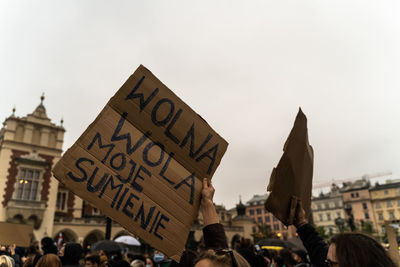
x=147, y=265
x=158, y=258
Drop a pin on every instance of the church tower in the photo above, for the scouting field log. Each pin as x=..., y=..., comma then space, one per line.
x=29, y=148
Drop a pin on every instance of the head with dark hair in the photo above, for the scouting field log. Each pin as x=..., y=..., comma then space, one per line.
x=357, y=250
x=48, y=246
x=287, y=257
x=92, y=260
x=72, y=253
x=301, y=255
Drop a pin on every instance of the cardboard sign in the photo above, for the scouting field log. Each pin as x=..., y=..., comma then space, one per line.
x=142, y=161
x=291, y=180
x=14, y=233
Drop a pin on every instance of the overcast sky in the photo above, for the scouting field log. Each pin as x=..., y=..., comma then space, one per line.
x=244, y=66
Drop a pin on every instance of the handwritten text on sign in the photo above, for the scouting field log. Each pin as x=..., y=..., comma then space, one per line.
x=142, y=160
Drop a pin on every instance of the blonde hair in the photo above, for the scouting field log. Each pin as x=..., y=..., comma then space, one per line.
x=49, y=260
x=5, y=261
x=223, y=260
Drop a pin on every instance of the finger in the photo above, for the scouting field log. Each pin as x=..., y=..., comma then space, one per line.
x=205, y=183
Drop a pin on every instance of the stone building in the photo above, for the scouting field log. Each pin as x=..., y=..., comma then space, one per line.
x=357, y=201
x=328, y=210
x=255, y=209
x=385, y=200
x=30, y=146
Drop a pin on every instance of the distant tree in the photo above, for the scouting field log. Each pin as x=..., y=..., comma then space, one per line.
x=321, y=231
x=367, y=228
x=341, y=225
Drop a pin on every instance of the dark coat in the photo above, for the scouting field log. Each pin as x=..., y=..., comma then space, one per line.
x=316, y=247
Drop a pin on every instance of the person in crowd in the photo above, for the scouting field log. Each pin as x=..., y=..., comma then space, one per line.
x=217, y=253
x=49, y=260
x=300, y=256
x=149, y=262
x=345, y=250
x=187, y=259
x=6, y=261
x=48, y=246
x=137, y=263
x=92, y=261
x=245, y=247
x=160, y=260
x=70, y=254
x=287, y=257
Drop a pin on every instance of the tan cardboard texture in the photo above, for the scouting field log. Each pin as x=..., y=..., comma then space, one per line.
x=15, y=233
x=141, y=162
x=291, y=180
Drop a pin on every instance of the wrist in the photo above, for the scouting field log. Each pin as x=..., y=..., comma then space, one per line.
x=206, y=203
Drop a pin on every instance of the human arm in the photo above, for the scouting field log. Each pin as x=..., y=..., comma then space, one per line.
x=213, y=231
x=316, y=247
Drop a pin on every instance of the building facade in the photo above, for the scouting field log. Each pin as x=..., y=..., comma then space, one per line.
x=30, y=146
x=385, y=200
x=328, y=210
x=260, y=216
x=357, y=202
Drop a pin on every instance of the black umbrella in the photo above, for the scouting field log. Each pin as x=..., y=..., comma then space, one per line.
x=106, y=246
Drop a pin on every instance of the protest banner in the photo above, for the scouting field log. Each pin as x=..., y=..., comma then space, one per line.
x=291, y=180
x=142, y=161
x=15, y=233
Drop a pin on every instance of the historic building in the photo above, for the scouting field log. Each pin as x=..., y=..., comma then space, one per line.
x=386, y=203
x=357, y=202
x=328, y=210
x=255, y=209
x=30, y=146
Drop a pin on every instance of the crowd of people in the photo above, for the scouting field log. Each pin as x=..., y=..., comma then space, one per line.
x=345, y=250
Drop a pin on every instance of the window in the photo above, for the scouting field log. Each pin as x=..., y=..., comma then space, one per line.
x=389, y=204
x=276, y=227
x=27, y=184
x=386, y=192
x=338, y=214
x=366, y=215
x=95, y=211
x=267, y=219
x=398, y=202
x=61, y=203
x=328, y=216
x=274, y=219
x=336, y=204
x=352, y=195
x=380, y=216
x=251, y=212
x=391, y=215
x=320, y=217
x=319, y=206
x=378, y=205
x=364, y=204
x=259, y=220
x=259, y=211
